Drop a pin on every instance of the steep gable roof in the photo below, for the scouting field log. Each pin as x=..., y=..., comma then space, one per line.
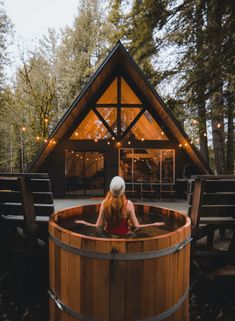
x=118, y=59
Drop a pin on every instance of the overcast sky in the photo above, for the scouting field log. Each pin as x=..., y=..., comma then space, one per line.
x=32, y=18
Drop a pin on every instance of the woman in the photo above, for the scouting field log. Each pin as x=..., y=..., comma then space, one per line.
x=117, y=214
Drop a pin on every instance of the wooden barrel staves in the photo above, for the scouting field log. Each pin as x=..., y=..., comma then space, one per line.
x=105, y=279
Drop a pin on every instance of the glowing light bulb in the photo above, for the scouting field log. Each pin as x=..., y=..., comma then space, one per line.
x=218, y=125
x=180, y=145
x=108, y=143
x=23, y=129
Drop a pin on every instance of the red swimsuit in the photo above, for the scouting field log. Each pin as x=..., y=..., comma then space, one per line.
x=122, y=228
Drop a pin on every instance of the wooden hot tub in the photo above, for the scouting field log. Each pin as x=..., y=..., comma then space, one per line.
x=105, y=279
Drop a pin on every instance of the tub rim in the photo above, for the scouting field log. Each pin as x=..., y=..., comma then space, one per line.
x=53, y=223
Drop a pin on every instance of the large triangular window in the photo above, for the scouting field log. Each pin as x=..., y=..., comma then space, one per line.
x=119, y=113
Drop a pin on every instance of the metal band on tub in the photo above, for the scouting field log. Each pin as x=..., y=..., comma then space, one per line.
x=115, y=255
x=160, y=317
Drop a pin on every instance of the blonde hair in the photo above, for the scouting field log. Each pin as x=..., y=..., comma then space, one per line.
x=114, y=208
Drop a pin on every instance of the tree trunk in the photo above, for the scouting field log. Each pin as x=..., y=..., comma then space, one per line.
x=230, y=135
x=200, y=86
x=215, y=9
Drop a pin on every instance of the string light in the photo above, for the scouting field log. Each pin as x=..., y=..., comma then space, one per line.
x=142, y=139
x=129, y=143
x=194, y=121
x=204, y=135
x=76, y=133
x=218, y=125
x=180, y=145
x=45, y=140
x=37, y=138
x=108, y=143
x=46, y=120
x=118, y=143
x=185, y=144
x=113, y=138
x=96, y=140
x=23, y=129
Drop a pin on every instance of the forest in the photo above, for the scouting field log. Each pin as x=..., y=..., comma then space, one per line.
x=185, y=48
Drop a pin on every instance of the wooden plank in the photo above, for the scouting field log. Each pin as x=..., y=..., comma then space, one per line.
x=87, y=279
x=149, y=284
x=64, y=277
x=117, y=279
x=101, y=282
x=217, y=210
x=75, y=275
x=196, y=204
x=221, y=198
x=9, y=184
x=8, y=196
x=42, y=197
x=28, y=205
x=162, y=282
x=44, y=209
x=40, y=185
x=215, y=186
x=11, y=209
x=135, y=276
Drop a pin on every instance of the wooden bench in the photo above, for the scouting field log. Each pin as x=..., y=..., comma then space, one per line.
x=26, y=202
x=211, y=204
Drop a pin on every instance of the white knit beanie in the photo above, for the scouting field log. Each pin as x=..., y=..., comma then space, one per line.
x=117, y=186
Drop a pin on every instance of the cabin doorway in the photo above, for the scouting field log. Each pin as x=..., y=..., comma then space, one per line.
x=84, y=173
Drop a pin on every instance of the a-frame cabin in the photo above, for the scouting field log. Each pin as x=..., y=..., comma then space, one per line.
x=118, y=124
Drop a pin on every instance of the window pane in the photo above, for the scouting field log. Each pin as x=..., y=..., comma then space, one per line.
x=110, y=116
x=110, y=95
x=146, y=165
x=147, y=128
x=168, y=166
x=91, y=128
x=127, y=116
x=84, y=173
x=127, y=94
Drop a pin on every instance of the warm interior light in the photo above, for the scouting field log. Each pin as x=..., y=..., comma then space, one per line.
x=218, y=125
x=180, y=145
x=186, y=144
x=96, y=140
x=108, y=143
x=113, y=138
x=45, y=140
x=129, y=143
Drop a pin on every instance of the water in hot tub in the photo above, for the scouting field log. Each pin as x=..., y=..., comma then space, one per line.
x=143, y=218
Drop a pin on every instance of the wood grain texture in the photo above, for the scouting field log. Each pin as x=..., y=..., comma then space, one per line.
x=118, y=290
